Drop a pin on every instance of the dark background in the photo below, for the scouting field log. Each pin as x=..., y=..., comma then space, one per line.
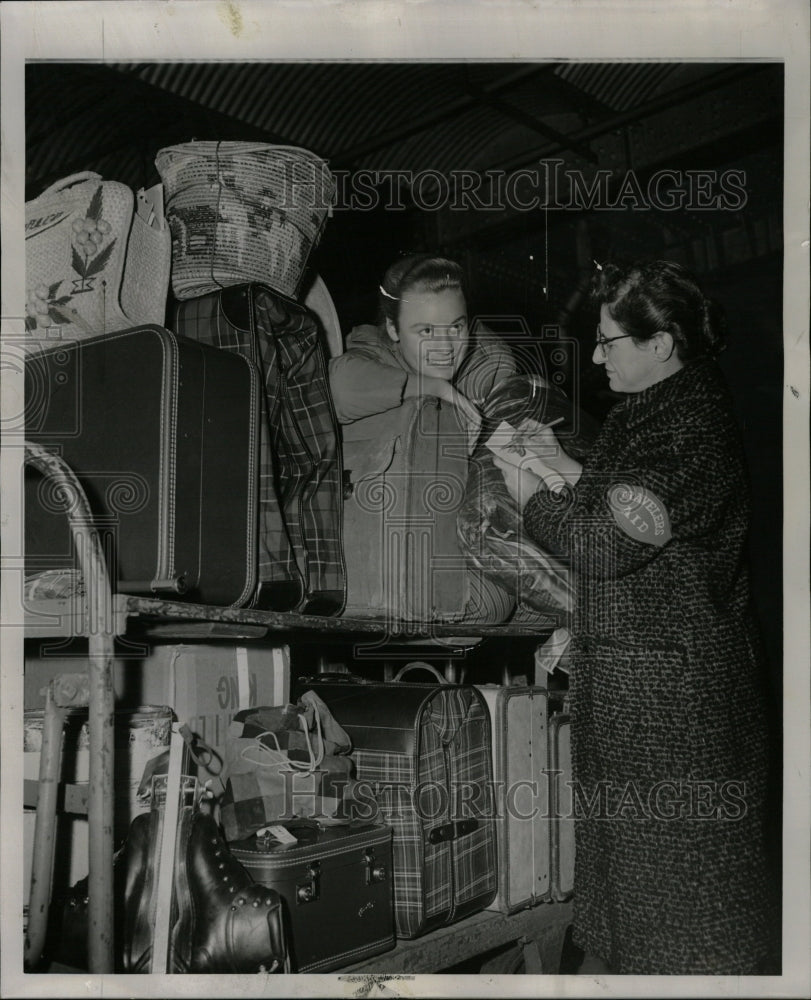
x=529, y=267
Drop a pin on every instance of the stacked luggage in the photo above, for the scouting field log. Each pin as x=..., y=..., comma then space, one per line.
x=467, y=779
x=211, y=457
x=166, y=431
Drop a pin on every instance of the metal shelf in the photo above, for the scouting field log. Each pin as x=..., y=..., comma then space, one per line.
x=69, y=617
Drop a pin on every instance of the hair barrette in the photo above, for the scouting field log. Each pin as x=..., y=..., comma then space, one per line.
x=387, y=294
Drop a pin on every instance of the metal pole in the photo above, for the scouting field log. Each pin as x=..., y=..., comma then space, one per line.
x=101, y=708
x=45, y=829
x=93, y=568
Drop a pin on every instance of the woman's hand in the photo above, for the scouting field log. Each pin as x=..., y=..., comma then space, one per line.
x=540, y=439
x=520, y=482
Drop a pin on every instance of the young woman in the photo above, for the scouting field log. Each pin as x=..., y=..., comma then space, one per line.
x=421, y=346
x=668, y=733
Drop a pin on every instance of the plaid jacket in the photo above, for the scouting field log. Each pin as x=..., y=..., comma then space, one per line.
x=301, y=565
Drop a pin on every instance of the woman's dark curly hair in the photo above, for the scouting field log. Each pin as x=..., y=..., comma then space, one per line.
x=424, y=271
x=660, y=295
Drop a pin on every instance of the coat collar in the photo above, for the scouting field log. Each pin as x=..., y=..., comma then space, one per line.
x=696, y=378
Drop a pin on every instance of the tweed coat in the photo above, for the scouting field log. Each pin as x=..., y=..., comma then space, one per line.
x=669, y=738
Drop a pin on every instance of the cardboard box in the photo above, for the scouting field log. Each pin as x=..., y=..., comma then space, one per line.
x=208, y=683
x=205, y=684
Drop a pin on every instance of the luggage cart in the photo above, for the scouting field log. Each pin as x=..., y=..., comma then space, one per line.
x=533, y=937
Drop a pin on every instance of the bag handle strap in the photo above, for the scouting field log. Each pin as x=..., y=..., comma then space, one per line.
x=60, y=185
x=315, y=758
x=278, y=758
x=419, y=665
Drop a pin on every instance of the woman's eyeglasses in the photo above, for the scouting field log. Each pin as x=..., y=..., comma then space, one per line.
x=603, y=344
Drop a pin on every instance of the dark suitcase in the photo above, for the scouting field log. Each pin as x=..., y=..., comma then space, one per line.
x=163, y=435
x=425, y=751
x=301, y=565
x=335, y=884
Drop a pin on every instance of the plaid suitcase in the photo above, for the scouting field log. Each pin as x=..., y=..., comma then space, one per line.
x=301, y=564
x=162, y=434
x=335, y=885
x=519, y=717
x=425, y=751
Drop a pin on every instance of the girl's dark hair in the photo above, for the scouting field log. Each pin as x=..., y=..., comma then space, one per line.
x=424, y=271
x=646, y=297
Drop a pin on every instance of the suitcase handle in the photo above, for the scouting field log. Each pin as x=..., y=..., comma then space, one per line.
x=334, y=675
x=419, y=665
x=60, y=185
x=451, y=831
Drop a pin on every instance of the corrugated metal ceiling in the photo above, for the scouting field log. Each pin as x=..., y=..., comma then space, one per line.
x=333, y=109
x=414, y=116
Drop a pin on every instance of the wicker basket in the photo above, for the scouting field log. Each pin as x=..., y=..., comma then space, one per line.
x=242, y=211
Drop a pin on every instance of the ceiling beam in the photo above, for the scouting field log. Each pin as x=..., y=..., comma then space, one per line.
x=346, y=157
x=619, y=120
x=578, y=100
x=531, y=122
x=761, y=135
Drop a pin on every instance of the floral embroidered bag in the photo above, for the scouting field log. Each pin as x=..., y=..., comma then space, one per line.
x=94, y=263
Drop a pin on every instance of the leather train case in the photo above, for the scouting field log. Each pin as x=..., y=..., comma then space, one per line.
x=163, y=435
x=336, y=887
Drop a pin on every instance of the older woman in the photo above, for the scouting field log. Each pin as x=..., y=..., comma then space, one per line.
x=668, y=730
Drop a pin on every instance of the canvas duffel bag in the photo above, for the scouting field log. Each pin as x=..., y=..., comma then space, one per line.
x=407, y=470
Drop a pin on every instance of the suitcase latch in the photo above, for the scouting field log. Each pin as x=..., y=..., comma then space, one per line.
x=307, y=892
x=374, y=872
x=450, y=831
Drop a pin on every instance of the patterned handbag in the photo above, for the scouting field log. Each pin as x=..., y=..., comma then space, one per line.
x=94, y=263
